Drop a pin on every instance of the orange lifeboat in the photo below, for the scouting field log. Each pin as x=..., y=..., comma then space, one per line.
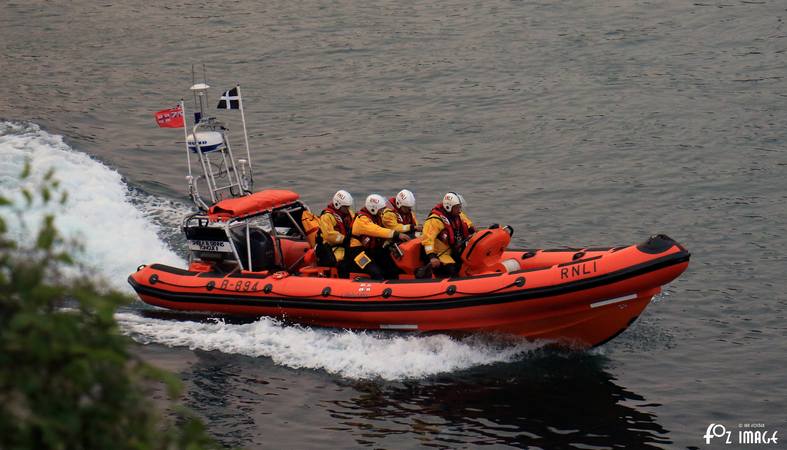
x=250, y=256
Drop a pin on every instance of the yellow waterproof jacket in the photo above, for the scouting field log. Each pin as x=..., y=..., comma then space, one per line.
x=334, y=231
x=364, y=227
x=311, y=225
x=431, y=242
x=392, y=219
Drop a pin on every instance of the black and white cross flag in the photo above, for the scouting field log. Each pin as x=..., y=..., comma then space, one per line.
x=229, y=100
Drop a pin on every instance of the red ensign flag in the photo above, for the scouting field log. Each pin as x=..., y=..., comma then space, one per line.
x=170, y=118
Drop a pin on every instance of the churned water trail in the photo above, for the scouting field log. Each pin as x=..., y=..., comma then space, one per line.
x=121, y=227
x=113, y=222
x=354, y=355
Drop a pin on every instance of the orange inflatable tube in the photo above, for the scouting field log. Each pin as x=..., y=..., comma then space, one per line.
x=574, y=297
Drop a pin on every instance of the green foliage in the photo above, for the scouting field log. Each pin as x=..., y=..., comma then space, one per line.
x=67, y=377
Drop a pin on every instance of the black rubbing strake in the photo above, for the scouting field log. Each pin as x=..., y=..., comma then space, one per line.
x=419, y=303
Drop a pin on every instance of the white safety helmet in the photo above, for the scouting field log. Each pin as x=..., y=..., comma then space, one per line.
x=375, y=203
x=342, y=198
x=405, y=198
x=452, y=199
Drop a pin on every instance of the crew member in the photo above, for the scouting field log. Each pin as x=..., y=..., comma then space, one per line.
x=335, y=228
x=445, y=232
x=367, y=252
x=399, y=215
x=311, y=226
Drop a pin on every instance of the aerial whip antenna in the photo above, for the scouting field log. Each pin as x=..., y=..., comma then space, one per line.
x=205, y=80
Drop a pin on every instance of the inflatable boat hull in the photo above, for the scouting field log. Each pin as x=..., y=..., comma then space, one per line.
x=575, y=297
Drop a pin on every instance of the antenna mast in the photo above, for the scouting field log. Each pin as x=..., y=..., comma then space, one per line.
x=209, y=140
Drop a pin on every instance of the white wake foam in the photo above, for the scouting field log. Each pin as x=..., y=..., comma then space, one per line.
x=118, y=228
x=100, y=213
x=356, y=355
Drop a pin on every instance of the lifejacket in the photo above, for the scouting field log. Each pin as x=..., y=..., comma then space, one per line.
x=370, y=242
x=455, y=229
x=344, y=224
x=404, y=219
x=311, y=226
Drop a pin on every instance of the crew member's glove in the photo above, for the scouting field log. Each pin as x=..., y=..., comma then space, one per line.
x=434, y=261
x=400, y=236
